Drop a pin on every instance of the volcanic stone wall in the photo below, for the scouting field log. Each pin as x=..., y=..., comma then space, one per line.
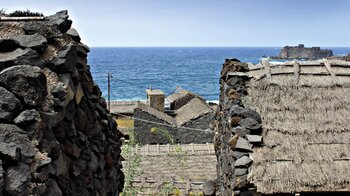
x=238, y=130
x=56, y=135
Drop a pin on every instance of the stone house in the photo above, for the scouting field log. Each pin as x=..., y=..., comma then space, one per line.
x=283, y=129
x=180, y=98
x=188, y=124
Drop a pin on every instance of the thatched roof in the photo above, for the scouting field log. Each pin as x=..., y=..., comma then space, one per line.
x=192, y=110
x=305, y=109
x=11, y=29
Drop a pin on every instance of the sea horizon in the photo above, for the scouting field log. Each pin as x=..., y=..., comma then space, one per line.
x=196, y=69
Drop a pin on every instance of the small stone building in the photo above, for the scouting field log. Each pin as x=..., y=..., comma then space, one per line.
x=180, y=98
x=189, y=124
x=283, y=129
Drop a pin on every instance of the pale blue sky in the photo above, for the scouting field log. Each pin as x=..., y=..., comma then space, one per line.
x=202, y=22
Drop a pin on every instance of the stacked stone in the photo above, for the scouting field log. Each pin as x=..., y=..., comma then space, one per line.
x=238, y=130
x=56, y=135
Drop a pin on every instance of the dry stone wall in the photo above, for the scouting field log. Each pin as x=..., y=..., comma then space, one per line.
x=238, y=130
x=56, y=135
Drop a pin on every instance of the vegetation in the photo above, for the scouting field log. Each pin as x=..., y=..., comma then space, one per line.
x=21, y=13
x=131, y=165
x=133, y=161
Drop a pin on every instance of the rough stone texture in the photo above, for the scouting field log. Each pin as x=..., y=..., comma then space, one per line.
x=55, y=138
x=254, y=138
x=237, y=127
x=250, y=123
x=74, y=34
x=209, y=187
x=2, y=181
x=35, y=41
x=17, y=179
x=7, y=45
x=30, y=83
x=243, y=144
x=20, y=56
x=243, y=162
x=9, y=105
x=300, y=52
x=27, y=117
x=10, y=134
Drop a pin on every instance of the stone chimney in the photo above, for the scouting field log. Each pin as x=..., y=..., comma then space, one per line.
x=155, y=99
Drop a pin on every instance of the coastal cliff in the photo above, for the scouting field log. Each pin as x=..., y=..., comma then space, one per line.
x=300, y=52
x=57, y=137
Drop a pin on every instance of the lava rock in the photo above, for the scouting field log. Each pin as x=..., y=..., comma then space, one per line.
x=30, y=83
x=238, y=155
x=256, y=139
x=12, y=134
x=93, y=163
x=10, y=151
x=52, y=119
x=250, y=123
x=1, y=176
x=43, y=28
x=7, y=45
x=241, y=171
x=9, y=105
x=59, y=91
x=65, y=61
x=35, y=41
x=243, y=162
x=17, y=179
x=60, y=19
x=240, y=131
x=209, y=187
x=73, y=34
x=52, y=188
x=27, y=117
x=243, y=144
x=248, y=112
x=82, y=50
x=20, y=57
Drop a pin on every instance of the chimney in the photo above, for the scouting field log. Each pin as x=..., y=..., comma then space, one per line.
x=155, y=99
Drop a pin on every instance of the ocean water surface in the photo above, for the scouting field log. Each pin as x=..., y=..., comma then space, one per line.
x=196, y=69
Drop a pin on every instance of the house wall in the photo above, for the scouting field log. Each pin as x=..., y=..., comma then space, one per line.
x=185, y=136
x=181, y=102
x=235, y=122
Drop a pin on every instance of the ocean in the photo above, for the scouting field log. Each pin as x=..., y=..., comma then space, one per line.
x=196, y=69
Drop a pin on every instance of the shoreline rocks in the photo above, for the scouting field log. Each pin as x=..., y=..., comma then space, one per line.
x=300, y=52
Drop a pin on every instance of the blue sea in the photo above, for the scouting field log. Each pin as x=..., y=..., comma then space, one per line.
x=196, y=69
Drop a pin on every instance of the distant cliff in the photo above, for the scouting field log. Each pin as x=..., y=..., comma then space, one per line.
x=300, y=52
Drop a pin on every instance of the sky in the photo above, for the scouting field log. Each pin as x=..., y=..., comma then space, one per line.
x=231, y=23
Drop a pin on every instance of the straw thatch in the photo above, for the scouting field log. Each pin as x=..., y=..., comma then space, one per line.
x=11, y=29
x=306, y=128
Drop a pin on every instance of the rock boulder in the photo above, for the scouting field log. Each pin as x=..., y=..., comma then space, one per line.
x=30, y=83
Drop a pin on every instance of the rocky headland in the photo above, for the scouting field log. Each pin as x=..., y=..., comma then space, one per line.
x=56, y=135
x=300, y=52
